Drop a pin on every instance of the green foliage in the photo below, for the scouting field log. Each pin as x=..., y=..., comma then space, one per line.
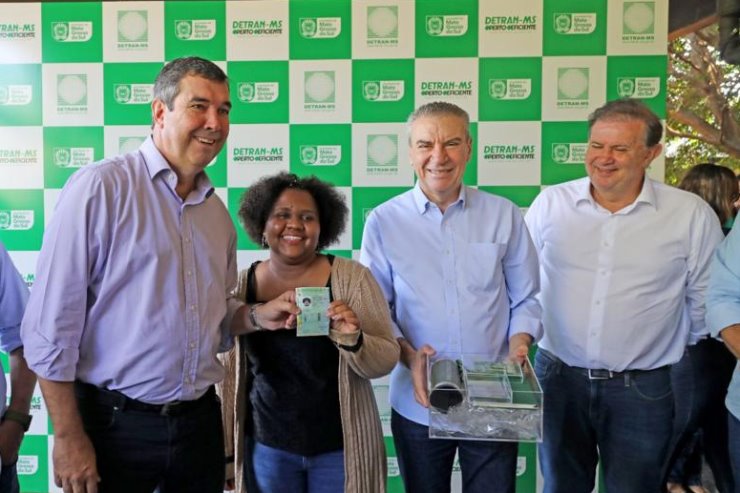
x=703, y=100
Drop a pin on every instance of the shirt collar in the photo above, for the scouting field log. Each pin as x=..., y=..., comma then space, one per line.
x=646, y=195
x=422, y=202
x=156, y=164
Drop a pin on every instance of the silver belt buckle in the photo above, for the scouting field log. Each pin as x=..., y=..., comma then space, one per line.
x=599, y=374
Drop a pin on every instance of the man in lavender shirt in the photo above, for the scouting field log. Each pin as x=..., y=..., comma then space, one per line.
x=15, y=417
x=132, y=303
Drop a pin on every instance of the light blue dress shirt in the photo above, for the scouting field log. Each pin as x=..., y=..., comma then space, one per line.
x=463, y=282
x=723, y=302
x=13, y=298
x=622, y=290
x=132, y=283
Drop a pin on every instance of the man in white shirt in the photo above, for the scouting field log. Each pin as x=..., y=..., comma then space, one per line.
x=623, y=266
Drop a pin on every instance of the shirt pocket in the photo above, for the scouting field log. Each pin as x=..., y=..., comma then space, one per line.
x=483, y=265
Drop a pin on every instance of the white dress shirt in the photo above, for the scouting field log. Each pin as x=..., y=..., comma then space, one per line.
x=623, y=290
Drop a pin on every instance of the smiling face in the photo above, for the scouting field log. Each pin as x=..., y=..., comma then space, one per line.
x=616, y=160
x=192, y=133
x=292, y=228
x=439, y=151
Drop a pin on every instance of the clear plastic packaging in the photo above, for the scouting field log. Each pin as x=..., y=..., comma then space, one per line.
x=474, y=398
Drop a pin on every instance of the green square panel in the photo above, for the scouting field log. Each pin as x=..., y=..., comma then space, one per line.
x=22, y=219
x=526, y=468
x=33, y=463
x=195, y=28
x=242, y=240
x=383, y=90
x=446, y=29
x=522, y=196
x=72, y=32
x=20, y=95
x=564, y=147
x=217, y=170
x=395, y=483
x=324, y=151
x=364, y=200
x=320, y=29
x=340, y=253
x=259, y=92
x=574, y=27
x=470, y=177
x=67, y=149
x=639, y=77
x=510, y=89
x=127, y=92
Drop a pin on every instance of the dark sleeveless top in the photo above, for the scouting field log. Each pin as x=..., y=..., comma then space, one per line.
x=295, y=388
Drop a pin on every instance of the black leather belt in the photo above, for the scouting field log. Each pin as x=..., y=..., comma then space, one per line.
x=599, y=373
x=118, y=400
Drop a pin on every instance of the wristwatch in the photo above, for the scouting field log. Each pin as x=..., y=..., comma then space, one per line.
x=252, y=320
x=21, y=418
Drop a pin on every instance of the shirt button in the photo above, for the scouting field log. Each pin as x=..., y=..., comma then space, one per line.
x=192, y=345
x=598, y=302
x=192, y=307
x=189, y=273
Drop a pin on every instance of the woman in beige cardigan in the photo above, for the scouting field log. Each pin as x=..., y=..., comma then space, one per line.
x=299, y=412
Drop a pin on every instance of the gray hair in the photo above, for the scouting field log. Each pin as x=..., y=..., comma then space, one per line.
x=438, y=108
x=629, y=109
x=167, y=84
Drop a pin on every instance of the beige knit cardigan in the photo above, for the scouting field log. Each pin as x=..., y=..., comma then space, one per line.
x=364, y=450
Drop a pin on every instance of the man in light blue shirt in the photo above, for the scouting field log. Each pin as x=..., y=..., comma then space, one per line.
x=15, y=418
x=624, y=266
x=723, y=320
x=459, y=271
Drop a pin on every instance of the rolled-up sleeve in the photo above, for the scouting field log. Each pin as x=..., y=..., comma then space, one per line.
x=522, y=275
x=233, y=304
x=373, y=257
x=706, y=234
x=72, y=255
x=13, y=299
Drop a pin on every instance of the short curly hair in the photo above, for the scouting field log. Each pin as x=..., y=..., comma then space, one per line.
x=258, y=201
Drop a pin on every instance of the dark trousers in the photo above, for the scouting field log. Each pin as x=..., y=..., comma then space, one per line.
x=624, y=422
x=733, y=425
x=138, y=450
x=700, y=380
x=426, y=463
x=9, y=479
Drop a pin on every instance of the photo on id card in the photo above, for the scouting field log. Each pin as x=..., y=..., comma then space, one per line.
x=313, y=302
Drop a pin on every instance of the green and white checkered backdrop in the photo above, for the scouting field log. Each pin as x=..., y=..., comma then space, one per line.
x=319, y=87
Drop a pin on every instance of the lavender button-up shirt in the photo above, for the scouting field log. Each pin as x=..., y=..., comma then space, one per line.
x=133, y=283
